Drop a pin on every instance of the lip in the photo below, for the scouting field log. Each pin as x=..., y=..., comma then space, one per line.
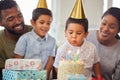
x=104, y=34
x=44, y=31
x=74, y=41
x=18, y=28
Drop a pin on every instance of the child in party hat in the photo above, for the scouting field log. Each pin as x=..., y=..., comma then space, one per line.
x=38, y=43
x=76, y=31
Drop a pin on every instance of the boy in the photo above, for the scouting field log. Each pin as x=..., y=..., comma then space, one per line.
x=76, y=31
x=38, y=43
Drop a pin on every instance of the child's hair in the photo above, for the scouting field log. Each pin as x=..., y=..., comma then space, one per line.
x=6, y=4
x=40, y=11
x=83, y=22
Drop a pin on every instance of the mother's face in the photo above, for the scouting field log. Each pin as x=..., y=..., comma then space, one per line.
x=109, y=28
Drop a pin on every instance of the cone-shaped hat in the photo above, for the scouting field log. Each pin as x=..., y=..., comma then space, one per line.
x=78, y=12
x=42, y=4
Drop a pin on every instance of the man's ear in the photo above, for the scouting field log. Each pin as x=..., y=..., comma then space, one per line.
x=0, y=23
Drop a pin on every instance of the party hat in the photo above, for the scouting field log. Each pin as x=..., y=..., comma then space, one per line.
x=78, y=12
x=42, y=4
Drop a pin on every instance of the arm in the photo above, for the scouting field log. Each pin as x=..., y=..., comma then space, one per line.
x=56, y=69
x=96, y=69
x=116, y=74
x=49, y=66
x=18, y=56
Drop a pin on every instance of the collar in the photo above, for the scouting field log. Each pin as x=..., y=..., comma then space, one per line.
x=37, y=37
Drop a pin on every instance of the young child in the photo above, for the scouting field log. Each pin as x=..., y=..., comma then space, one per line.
x=38, y=43
x=76, y=31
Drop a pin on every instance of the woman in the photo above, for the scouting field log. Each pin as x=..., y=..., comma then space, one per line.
x=107, y=43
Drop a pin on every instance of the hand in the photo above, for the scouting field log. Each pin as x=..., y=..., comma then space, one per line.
x=98, y=78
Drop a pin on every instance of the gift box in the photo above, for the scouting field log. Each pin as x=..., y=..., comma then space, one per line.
x=75, y=77
x=23, y=64
x=23, y=74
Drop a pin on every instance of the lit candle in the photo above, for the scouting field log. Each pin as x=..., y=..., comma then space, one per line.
x=76, y=56
x=68, y=55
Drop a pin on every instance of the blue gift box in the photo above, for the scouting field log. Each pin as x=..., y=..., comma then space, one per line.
x=75, y=77
x=23, y=74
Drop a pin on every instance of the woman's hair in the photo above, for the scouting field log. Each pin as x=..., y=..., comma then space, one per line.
x=40, y=11
x=83, y=22
x=114, y=11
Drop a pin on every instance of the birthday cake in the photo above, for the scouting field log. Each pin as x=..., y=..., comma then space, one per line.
x=69, y=67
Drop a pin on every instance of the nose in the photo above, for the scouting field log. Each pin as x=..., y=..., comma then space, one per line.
x=74, y=35
x=17, y=20
x=46, y=25
x=106, y=28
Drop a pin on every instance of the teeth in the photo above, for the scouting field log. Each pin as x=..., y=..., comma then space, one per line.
x=44, y=30
x=104, y=34
x=18, y=27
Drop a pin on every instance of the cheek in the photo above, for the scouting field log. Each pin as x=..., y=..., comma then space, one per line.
x=49, y=28
x=100, y=27
x=8, y=25
x=114, y=32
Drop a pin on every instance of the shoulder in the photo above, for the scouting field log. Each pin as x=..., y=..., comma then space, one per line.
x=50, y=38
x=64, y=46
x=2, y=36
x=28, y=28
x=90, y=43
x=92, y=33
x=92, y=36
x=26, y=36
x=1, y=32
x=119, y=42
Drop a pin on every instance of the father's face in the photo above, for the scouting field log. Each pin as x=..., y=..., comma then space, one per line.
x=12, y=20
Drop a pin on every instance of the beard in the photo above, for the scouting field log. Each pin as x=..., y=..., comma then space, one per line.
x=12, y=31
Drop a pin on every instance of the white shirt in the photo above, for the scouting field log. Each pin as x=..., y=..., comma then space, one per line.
x=87, y=53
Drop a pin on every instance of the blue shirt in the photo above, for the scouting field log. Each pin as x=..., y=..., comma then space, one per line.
x=31, y=46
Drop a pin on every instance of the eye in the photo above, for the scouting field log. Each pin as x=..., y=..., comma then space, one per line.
x=112, y=26
x=10, y=18
x=70, y=32
x=103, y=23
x=79, y=33
x=20, y=15
x=41, y=22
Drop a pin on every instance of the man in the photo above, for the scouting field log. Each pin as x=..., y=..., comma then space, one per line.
x=12, y=20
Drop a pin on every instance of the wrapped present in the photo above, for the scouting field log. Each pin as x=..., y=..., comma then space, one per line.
x=23, y=64
x=23, y=74
x=75, y=77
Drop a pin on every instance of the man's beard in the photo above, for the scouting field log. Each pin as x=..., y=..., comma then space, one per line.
x=16, y=32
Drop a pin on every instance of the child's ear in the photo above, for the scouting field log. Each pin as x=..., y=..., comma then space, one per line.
x=86, y=33
x=32, y=22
